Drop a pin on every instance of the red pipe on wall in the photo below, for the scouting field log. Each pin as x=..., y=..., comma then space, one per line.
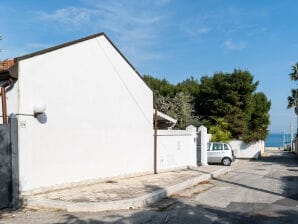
x=3, y=99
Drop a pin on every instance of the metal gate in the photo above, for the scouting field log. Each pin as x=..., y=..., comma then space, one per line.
x=5, y=167
x=199, y=148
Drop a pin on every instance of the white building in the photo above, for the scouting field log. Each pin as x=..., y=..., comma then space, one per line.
x=98, y=114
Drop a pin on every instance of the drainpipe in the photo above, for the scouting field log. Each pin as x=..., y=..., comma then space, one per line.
x=3, y=98
x=155, y=141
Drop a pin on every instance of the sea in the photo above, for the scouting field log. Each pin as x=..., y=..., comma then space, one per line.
x=276, y=140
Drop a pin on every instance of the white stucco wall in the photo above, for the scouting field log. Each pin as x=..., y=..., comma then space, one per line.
x=98, y=119
x=247, y=151
x=176, y=148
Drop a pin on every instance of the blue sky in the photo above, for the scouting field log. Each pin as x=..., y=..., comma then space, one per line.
x=171, y=39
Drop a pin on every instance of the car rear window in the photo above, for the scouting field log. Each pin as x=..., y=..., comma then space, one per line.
x=226, y=147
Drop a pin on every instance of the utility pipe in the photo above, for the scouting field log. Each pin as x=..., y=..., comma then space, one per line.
x=155, y=140
x=3, y=99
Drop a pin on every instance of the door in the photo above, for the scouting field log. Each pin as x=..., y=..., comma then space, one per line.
x=215, y=152
x=198, y=148
x=5, y=168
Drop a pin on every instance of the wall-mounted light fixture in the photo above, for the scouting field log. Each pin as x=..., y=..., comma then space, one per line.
x=39, y=109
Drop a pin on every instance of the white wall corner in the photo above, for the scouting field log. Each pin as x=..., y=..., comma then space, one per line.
x=204, y=142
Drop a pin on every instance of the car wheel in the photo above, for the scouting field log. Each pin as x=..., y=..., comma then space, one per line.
x=226, y=161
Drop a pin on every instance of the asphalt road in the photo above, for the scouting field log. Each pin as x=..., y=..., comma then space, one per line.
x=263, y=191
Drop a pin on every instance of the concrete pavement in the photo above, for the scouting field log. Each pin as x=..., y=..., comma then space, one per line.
x=127, y=193
x=263, y=192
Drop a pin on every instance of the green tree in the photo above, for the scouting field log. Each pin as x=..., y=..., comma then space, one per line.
x=176, y=101
x=294, y=73
x=293, y=99
x=189, y=85
x=179, y=107
x=228, y=96
x=220, y=130
x=182, y=110
x=226, y=104
x=259, y=120
x=160, y=86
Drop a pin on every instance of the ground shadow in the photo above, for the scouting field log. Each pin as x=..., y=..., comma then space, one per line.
x=179, y=210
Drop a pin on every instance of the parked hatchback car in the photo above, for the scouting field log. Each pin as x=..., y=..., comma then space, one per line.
x=220, y=152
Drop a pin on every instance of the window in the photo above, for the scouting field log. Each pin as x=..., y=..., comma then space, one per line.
x=217, y=146
x=226, y=147
x=208, y=148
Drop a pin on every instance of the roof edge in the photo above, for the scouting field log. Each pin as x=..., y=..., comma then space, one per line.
x=56, y=47
x=127, y=61
x=44, y=51
x=166, y=117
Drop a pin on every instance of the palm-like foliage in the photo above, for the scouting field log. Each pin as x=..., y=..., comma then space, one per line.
x=294, y=73
x=293, y=99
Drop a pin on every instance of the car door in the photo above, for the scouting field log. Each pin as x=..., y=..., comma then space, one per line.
x=211, y=152
x=217, y=151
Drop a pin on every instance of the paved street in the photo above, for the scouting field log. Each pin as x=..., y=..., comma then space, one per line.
x=263, y=191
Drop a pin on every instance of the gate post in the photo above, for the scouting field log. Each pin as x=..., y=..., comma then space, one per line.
x=193, y=130
x=204, y=141
x=13, y=127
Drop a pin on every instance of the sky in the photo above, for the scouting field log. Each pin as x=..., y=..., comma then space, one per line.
x=172, y=39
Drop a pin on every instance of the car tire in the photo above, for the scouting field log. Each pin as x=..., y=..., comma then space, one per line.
x=226, y=161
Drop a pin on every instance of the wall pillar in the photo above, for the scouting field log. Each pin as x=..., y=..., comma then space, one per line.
x=193, y=130
x=204, y=144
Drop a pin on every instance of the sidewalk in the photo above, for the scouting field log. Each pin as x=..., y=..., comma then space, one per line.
x=128, y=193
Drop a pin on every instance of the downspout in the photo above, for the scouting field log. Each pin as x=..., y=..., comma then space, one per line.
x=3, y=99
x=155, y=141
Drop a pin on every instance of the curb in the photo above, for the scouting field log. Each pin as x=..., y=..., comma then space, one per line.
x=133, y=203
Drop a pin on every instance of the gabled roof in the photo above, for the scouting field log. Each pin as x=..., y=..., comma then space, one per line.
x=75, y=42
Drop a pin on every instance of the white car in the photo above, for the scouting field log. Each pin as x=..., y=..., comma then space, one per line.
x=220, y=152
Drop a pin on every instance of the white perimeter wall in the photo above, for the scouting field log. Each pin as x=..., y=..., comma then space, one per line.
x=98, y=119
x=247, y=151
x=176, y=148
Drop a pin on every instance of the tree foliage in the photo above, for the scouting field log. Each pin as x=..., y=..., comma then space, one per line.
x=175, y=100
x=293, y=98
x=160, y=87
x=294, y=74
x=220, y=130
x=228, y=96
x=259, y=119
x=226, y=103
x=179, y=107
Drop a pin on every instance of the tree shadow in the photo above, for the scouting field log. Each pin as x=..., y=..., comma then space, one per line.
x=182, y=212
x=287, y=159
